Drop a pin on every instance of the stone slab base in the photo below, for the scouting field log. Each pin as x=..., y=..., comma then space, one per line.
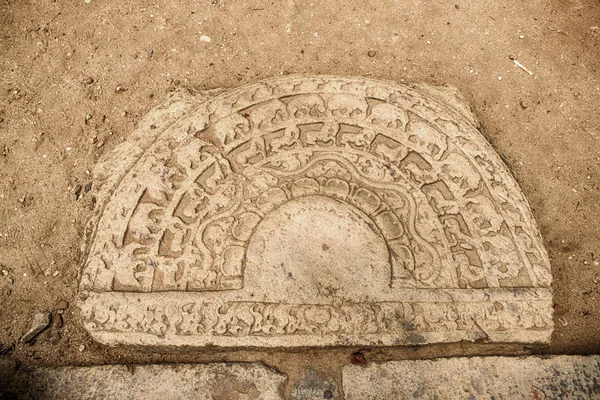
x=183, y=381
x=558, y=377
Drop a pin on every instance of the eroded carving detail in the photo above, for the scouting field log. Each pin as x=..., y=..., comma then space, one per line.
x=410, y=170
x=275, y=319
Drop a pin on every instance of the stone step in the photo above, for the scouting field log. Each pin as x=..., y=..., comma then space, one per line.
x=556, y=377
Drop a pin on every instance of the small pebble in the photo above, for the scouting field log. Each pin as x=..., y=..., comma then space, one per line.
x=205, y=38
x=39, y=322
x=371, y=53
x=89, y=80
x=77, y=190
x=57, y=321
x=358, y=358
x=55, y=338
x=82, y=348
x=61, y=305
x=120, y=89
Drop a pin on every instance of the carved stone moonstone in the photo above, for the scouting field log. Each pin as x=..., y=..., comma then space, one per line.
x=312, y=211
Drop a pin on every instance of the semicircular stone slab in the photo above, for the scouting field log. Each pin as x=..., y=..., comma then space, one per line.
x=312, y=211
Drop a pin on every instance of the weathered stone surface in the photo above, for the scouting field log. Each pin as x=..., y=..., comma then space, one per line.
x=314, y=386
x=560, y=377
x=312, y=211
x=184, y=381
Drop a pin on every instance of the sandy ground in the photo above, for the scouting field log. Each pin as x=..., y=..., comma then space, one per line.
x=61, y=63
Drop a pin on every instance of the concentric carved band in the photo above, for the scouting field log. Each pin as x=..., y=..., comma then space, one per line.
x=184, y=212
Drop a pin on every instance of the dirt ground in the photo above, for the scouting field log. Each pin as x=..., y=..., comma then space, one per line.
x=76, y=77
